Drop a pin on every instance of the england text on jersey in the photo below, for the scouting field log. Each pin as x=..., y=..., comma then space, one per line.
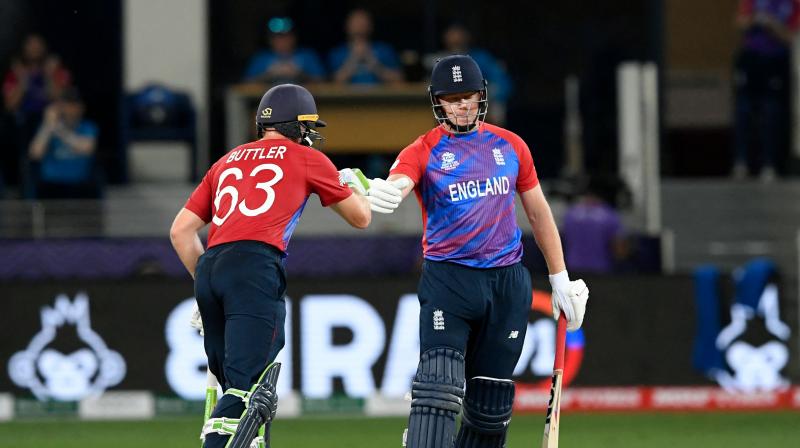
x=479, y=188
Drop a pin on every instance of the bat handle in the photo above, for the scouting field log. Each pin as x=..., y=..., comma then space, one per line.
x=561, y=338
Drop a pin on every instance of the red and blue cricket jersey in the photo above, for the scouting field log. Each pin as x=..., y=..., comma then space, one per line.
x=258, y=191
x=465, y=184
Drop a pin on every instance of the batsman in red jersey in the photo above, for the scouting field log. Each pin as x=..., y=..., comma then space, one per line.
x=253, y=198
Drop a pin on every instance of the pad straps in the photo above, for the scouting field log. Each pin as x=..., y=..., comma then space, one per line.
x=227, y=427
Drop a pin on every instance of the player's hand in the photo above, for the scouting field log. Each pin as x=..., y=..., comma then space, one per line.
x=385, y=196
x=569, y=297
x=578, y=295
x=196, y=321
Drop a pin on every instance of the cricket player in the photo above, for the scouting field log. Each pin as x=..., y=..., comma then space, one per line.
x=475, y=295
x=253, y=198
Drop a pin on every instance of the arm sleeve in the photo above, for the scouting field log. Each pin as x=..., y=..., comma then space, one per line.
x=323, y=179
x=199, y=202
x=410, y=161
x=527, y=179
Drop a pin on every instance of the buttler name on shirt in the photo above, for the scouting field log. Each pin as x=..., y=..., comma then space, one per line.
x=275, y=152
x=494, y=186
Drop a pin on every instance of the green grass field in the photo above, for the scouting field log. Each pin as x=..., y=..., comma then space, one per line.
x=768, y=429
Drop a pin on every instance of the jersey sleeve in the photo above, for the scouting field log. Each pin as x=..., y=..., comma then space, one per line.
x=527, y=179
x=410, y=162
x=323, y=179
x=199, y=202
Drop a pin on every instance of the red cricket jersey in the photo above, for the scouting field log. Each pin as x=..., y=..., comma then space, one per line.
x=258, y=191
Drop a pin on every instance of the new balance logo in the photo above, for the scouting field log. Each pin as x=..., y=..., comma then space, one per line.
x=457, y=73
x=438, y=320
x=513, y=335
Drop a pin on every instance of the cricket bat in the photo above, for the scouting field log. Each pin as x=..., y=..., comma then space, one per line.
x=550, y=439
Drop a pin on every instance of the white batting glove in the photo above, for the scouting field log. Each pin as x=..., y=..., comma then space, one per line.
x=578, y=295
x=383, y=196
x=569, y=297
x=196, y=321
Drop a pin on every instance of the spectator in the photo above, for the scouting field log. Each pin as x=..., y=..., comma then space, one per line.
x=458, y=40
x=35, y=79
x=283, y=62
x=361, y=61
x=762, y=79
x=64, y=146
x=593, y=233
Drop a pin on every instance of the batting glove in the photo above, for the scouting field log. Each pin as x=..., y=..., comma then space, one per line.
x=569, y=297
x=383, y=196
x=196, y=321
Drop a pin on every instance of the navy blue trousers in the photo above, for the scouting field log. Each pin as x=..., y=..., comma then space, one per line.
x=240, y=289
x=481, y=312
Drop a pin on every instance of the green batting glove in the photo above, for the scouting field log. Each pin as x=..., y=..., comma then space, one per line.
x=354, y=179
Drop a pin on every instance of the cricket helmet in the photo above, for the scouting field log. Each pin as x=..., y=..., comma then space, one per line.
x=458, y=74
x=289, y=109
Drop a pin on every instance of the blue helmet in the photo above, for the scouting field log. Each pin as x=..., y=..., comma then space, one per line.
x=457, y=74
x=290, y=109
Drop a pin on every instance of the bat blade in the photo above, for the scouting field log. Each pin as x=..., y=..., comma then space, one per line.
x=551, y=421
x=553, y=416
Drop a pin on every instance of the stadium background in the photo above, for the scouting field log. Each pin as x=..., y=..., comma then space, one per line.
x=648, y=347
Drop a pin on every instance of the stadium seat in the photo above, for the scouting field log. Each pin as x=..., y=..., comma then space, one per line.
x=158, y=113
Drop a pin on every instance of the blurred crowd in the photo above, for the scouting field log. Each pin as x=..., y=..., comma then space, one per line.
x=361, y=60
x=50, y=148
x=49, y=145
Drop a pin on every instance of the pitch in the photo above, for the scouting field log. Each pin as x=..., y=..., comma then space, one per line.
x=731, y=430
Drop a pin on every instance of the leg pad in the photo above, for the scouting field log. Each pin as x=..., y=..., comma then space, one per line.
x=436, y=396
x=487, y=413
x=261, y=407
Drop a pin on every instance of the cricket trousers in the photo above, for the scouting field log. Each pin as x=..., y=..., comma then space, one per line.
x=240, y=289
x=483, y=313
